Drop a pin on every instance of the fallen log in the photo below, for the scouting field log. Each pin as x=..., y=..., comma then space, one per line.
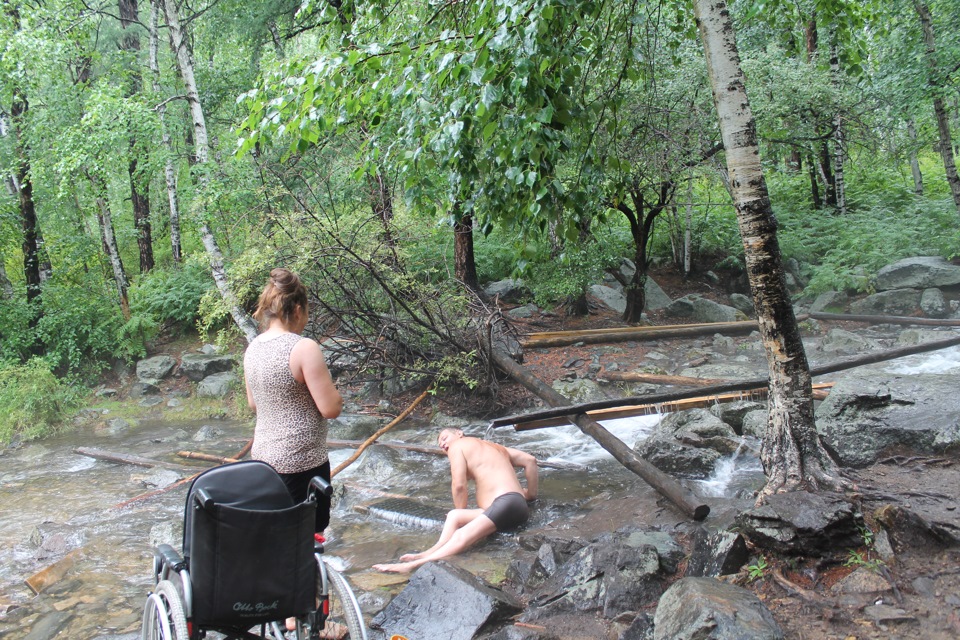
x=658, y=408
x=907, y=320
x=667, y=486
x=672, y=396
x=654, y=378
x=196, y=455
x=54, y=572
x=595, y=336
x=126, y=458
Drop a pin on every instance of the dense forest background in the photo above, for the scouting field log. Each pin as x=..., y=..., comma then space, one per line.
x=159, y=158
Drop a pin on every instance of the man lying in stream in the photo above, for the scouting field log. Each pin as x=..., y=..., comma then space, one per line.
x=502, y=501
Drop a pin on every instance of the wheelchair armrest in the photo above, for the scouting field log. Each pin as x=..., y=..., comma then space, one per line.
x=317, y=483
x=165, y=554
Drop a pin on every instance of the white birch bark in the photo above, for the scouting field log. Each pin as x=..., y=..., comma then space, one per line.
x=792, y=455
x=109, y=240
x=169, y=171
x=914, y=160
x=185, y=64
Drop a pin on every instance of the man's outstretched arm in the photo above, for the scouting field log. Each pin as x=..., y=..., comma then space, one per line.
x=528, y=463
x=458, y=477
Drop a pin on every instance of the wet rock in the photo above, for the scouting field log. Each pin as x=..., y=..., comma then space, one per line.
x=840, y=341
x=526, y=311
x=705, y=608
x=885, y=614
x=640, y=628
x=723, y=553
x=918, y=273
x=864, y=582
x=580, y=390
x=898, y=302
x=155, y=368
x=689, y=443
x=866, y=412
x=610, y=297
x=218, y=385
x=742, y=303
x=933, y=304
x=804, y=523
x=170, y=532
x=444, y=601
x=907, y=529
x=150, y=401
x=724, y=344
x=355, y=426
x=733, y=413
x=156, y=477
x=206, y=433
x=755, y=423
x=197, y=366
x=669, y=552
x=49, y=625
x=607, y=575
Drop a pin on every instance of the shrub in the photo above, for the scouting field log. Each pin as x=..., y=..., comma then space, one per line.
x=33, y=401
x=171, y=297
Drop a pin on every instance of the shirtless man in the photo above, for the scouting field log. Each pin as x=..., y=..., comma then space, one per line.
x=501, y=500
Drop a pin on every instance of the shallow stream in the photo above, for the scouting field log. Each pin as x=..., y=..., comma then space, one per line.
x=56, y=504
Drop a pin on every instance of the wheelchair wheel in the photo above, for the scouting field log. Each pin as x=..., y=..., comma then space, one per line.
x=163, y=616
x=345, y=613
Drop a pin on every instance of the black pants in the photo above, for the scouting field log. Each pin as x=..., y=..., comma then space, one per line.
x=297, y=485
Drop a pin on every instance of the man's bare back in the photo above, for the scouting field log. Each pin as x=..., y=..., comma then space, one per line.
x=489, y=465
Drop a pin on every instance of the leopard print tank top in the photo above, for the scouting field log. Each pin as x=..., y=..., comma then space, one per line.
x=291, y=435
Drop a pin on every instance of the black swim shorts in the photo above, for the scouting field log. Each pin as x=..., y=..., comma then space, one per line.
x=508, y=511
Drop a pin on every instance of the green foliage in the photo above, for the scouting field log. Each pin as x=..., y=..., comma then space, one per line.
x=16, y=336
x=170, y=297
x=758, y=570
x=866, y=557
x=33, y=401
x=569, y=275
x=81, y=332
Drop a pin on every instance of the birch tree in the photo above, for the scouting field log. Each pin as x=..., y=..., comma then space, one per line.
x=181, y=50
x=793, y=456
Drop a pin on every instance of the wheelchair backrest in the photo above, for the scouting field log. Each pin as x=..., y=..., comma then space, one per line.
x=250, y=550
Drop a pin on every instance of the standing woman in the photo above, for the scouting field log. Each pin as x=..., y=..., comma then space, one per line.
x=290, y=389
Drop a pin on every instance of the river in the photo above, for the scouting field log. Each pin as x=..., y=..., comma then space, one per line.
x=56, y=504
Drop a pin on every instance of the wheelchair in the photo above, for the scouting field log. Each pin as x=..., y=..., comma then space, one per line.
x=250, y=561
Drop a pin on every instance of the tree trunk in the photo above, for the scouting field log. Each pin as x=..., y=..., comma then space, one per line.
x=170, y=174
x=792, y=454
x=185, y=64
x=914, y=160
x=814, y=184
x=838, y=136
x=109, y=240
x=939, y=106
x=139, y=189
x=28, y=213
x=465, y=266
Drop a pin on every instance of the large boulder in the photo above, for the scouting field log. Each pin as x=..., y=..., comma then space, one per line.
x=918, y=273
x=155, y=368
x=802, y=523
x=895, y=302
x=444, y=601
x=700, y=309
x=689, y=443
x=868, y=412
x=197, y=366
x=707, y=609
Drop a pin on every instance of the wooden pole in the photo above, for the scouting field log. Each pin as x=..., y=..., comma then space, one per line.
x=196, y=455
x=566, y=338
x=356, y=454
x=928, y=322
x=653, y=378
x=663, y=483
x=743, y=385
x=126, y=458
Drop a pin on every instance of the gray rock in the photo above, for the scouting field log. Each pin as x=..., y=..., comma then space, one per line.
x=197, y=366
x=606, y=575
x=106, y=393
x=896, y=302
x=116, y=426
x=156, y=368
x=356, y=426
x=156, y=477
x=206, y=433
x=830, y=302
x=702, y=309
x=912, y=337
x=669, y=552
x=580, y=390
x=734, y=413
x=689, y=443
x=49, y=625
x=798, y=522
x=525, y=311
x=918, y=273
x=755, y=423
x=609, y=296
x=444, y=601
x=866, y=412
x=168, y=532
x=143, y=388
x=841, y=341
x=218, y=385
x=723, y=553
x=742, y=303
x=508, y=290
x=933, y=304
x=863, y=581
x=707, y=609
x=150, y=401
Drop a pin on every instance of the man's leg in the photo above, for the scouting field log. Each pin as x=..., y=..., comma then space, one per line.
x=455, y=519
x=463, y=538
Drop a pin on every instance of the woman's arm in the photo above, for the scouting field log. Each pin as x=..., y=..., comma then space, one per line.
x=308, y=366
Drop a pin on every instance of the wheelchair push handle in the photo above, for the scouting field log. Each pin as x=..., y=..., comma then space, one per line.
x=204, y=499
x=318, y=483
